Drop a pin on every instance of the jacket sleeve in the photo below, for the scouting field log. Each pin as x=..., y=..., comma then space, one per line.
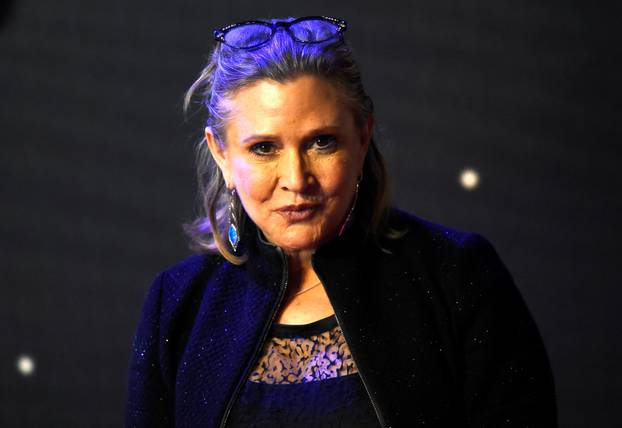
x=507, y=376
x=149, y=403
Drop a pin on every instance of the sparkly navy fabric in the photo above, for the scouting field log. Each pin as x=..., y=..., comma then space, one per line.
x=334, y=402
x=435, y=324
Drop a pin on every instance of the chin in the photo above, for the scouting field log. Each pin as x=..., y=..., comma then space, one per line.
x=301, y=236
x=298, y=243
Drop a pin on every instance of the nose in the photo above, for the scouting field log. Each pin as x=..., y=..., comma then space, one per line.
x=294, y=173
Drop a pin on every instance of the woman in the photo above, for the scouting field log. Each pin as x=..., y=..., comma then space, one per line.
x=311, y=301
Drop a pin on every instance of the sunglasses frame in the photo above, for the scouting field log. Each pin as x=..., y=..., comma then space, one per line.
x=220, y=33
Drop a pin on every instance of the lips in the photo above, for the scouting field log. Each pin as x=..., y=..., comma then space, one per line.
x=300, y=212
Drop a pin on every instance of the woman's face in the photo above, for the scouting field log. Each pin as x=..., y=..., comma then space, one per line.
x=293, y=153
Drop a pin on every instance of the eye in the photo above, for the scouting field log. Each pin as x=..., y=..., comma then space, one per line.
x=325, y=142
x=263, y=148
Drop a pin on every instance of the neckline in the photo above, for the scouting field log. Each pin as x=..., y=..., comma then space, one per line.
x=303, y=330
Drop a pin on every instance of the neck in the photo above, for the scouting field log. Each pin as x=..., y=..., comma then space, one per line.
x=301, y=273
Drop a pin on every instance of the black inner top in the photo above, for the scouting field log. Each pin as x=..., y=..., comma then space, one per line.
x=303, y=330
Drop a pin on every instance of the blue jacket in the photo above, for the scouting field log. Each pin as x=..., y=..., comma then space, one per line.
x=436, y=326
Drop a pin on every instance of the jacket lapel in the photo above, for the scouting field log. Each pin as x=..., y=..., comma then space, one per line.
x=383, y=303
x=235, y=311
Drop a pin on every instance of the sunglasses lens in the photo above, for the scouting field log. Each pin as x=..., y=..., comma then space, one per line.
x=248, y=36
x=314, y=30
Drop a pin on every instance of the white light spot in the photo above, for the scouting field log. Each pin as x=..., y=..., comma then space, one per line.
x=469, y=179
x=25, y=365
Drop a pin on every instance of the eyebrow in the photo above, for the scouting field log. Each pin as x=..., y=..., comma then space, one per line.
x=316, y=131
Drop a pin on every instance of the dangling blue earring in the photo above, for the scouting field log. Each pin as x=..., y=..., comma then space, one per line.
x=233, y=234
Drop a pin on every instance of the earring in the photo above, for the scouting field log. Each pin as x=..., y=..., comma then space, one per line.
x=233, y=234
x=346, y=223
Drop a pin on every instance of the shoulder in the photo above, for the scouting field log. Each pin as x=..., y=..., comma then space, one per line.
x=173, y=283
x=452, y=258
x=435, y=237
x=465, y=269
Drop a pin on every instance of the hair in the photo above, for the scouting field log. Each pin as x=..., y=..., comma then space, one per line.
x=282, y=59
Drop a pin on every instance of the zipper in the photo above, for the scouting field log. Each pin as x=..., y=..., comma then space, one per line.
x=365, y=384
x=260, y=343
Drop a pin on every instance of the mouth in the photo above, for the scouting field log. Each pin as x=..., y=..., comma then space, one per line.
x=298, y=213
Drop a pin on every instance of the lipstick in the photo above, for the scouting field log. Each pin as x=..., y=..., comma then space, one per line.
x=298, y=213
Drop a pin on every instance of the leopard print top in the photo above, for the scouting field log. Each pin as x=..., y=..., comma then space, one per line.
x=304, y=353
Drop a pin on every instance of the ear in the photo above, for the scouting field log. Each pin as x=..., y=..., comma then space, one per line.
x=219, y=153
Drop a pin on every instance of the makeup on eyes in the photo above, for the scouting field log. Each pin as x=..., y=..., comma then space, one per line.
x=262, y=148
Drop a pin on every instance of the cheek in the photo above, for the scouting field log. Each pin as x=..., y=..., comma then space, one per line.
x=338, y=177
x=253, y=182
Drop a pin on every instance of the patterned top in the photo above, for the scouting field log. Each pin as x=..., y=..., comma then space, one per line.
x=304, y=353
x=305, y=377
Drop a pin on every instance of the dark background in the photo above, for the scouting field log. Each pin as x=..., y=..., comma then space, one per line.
x=96, y=172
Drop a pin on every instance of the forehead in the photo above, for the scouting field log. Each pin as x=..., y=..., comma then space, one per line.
x=293, y=106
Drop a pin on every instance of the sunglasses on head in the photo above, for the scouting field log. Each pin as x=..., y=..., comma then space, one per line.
x=253, y=34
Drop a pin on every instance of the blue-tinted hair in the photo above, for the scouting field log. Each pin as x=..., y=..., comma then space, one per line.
x=281, y=59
